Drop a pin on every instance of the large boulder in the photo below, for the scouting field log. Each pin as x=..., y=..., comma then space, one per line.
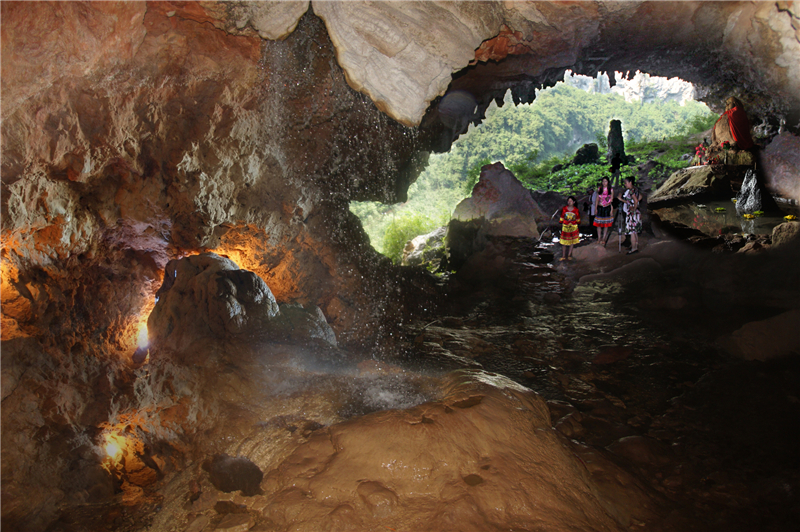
x=787, y=233
x=478, y=459
x=499, y=195
x=208, y=296
x=698, y=183
x=499, y=206
x=587, y=154
x=765, y=339
x=780, y=162
x=424, y=249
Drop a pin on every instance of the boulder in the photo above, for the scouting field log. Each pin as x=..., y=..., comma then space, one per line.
x=697, y=183
x=499, y=206
x=208, y=296
x=752, y=196
x=498, y=194
x=780, y=162
x=477, y=459
x=787, y=233
x=587, y=154
x=424, y=249
x=765, y=339
x=461, y=241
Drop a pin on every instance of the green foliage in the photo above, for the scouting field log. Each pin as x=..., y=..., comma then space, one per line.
x=699, y=123
x=402, y=229
x=530, y=140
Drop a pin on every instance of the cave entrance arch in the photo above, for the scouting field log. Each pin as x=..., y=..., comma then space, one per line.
x=532, y=139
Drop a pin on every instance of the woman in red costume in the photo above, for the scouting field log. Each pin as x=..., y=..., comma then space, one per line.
x=570, y=218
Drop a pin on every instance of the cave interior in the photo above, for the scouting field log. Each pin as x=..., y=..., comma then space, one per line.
x=197, y=334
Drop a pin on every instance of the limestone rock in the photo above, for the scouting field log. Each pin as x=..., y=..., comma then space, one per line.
x=403, y=54
x=271, y=20
x=235, y=523
x=781, y=165
x=497, y=195
x=765, y=339
x=616, y=144
x=499, y=206
x=208, y=296
x=298, y=323
x=697, y=183
x=587, y=154
x=786, y=234
x=463, y=454
x=425, y=248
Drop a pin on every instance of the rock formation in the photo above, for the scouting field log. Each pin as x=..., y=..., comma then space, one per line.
x=139, y=133
x=499, y=206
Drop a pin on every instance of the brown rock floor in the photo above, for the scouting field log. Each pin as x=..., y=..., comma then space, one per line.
x=624, y=350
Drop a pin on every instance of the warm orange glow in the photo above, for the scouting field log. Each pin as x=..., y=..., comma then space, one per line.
x=142, y=339
x=114, y=443
x=112, y=450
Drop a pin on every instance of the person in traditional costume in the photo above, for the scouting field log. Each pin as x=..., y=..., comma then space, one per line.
x=570, y=218
x=603, y=204
x=633, y=219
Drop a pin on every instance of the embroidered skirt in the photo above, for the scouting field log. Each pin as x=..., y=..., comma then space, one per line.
x=569, y=234
x=603, y=218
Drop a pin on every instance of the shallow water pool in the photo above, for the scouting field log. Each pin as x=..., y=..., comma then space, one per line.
x=709, y=219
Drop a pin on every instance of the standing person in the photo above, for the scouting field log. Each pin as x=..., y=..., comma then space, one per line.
x=603, y=203
x=570, y=218
x=633, y=220
x=591, y=206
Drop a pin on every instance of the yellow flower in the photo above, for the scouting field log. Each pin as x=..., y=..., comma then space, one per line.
x=790, y=217
x=748, y=216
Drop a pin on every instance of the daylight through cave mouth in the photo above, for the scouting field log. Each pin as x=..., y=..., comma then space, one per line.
x=533, y=139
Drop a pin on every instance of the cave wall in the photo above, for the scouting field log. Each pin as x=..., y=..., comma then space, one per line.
x=134, y=133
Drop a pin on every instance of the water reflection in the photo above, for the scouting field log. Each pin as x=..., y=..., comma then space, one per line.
x=719, y=217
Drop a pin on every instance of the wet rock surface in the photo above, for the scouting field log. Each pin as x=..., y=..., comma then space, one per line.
x=138, y=133
x=645, y=421
x=698, y=184
x=630, y=363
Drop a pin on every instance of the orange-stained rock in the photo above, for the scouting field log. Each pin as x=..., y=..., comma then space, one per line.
x=483, y=457
x=507, y=42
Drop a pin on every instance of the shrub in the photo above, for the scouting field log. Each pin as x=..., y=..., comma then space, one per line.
x=402, y=229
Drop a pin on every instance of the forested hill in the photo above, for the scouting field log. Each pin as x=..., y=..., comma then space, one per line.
x=559, y=121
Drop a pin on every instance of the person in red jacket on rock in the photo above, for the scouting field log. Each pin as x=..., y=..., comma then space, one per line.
x=570, y=218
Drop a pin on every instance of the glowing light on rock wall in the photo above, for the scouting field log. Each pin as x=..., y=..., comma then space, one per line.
x=113, y=445
x=142, y=340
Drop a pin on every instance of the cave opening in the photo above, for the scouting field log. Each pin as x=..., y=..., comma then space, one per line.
x=537, y=141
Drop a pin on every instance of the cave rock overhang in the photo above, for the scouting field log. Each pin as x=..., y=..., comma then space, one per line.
x=406, y=56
